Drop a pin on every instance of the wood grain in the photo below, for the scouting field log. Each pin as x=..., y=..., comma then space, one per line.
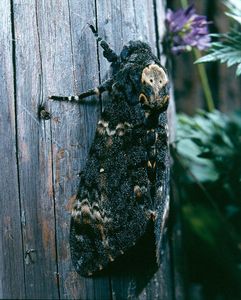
x=34, y=156
x=12, y=283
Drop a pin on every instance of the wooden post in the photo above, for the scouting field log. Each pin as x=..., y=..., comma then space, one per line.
x=47, y=48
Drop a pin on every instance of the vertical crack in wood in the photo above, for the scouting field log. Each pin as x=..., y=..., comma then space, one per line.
x=171, y=243
x=40, y=55
x=55, y=214
x=51, y=142
x=134, y=7
x=72, y=52
x=176, y=250
x=156, y=29
x=111, y=288
x=98, y=52
x=121, y=22
x=16, y=134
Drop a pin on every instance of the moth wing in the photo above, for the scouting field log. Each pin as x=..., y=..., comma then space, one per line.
x=162, y=187
x=112, y=210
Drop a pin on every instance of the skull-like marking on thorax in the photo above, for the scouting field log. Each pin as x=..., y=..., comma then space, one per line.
x=154, y=87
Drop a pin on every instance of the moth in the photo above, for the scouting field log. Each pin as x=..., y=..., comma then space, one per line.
x=124, y=185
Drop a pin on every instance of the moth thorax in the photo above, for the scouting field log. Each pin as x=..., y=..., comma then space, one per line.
x=153, y=93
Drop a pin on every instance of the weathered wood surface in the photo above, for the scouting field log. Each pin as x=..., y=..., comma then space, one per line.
x=47, y=48
x=11, y=246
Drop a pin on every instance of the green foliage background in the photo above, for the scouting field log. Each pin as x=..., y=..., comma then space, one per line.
x=207, y=156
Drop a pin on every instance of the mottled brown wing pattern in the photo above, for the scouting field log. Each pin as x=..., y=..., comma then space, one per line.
x=114, y=204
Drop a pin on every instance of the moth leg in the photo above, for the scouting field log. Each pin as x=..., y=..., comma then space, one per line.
x=105, y=86
x=108, y=53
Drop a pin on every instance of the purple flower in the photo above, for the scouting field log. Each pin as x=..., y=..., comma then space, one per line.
x=186, y=30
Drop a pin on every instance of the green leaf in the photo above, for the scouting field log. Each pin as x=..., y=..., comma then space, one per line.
x=202, y=169
x=238, y=71
x=206, y=154
x=234, y=7
x=236, y=18
x=203, y=222
x=228, y=51
x=207, y=142
x=206, y=58
x=228, y=48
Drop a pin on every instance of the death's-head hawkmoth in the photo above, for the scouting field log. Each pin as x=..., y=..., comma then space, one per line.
x=123, y=187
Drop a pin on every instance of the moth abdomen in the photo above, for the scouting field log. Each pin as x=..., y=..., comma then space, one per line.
x=151, y=137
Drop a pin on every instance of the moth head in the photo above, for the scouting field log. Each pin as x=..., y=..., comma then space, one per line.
x=154, y=88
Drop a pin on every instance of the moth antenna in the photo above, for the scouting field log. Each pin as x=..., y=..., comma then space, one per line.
x=108, y=53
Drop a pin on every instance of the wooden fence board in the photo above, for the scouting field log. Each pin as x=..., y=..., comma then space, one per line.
x=57, y=54
x=34, y=155
x=11, y=249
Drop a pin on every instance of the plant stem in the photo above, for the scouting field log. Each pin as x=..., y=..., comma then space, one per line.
x=204, y=80
x=202, y=73
x=184, y=3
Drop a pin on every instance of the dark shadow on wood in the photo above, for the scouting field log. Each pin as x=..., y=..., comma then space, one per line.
x=138, y=263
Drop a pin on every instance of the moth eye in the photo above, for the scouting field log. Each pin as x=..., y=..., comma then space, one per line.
x=144, y=82
x=151, y=80
x=160, y=81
